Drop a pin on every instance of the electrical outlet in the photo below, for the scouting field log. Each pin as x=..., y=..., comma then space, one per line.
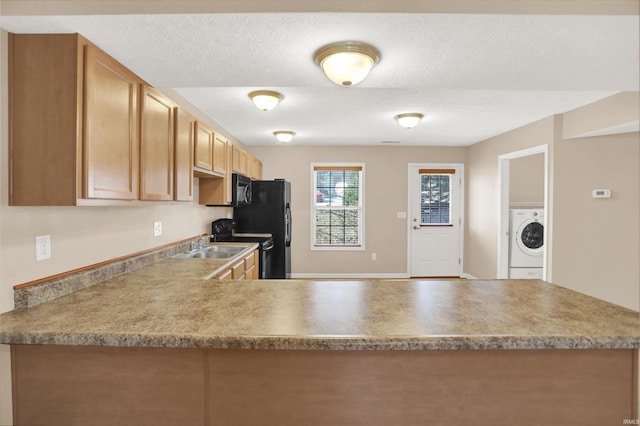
x=157, y=228
x=374, y=256
x=43, y=247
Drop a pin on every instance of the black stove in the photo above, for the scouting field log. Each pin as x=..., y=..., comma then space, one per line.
x=222, y=231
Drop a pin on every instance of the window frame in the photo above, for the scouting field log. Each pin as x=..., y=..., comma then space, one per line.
x=360, y=208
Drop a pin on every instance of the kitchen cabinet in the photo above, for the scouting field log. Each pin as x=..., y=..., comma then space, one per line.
x=246, y=164
x=256, y=169
x=73, y=123
x=156, y=146
x=85, y=130
x=209, y=160
x=250, y=267
x=244, y=269
x=219, y=154
x=226, y=275
x=240, y=161
x=203, y=147
x=217, y=191
x=183, y=160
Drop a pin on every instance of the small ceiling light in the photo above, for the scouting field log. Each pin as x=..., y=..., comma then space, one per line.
x=409, y=120
x=284, y=136
x=266, y=100
x=347, y=63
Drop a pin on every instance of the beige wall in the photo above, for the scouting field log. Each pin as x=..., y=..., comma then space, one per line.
x=595, y=241
x=526, y=180
x=385, y=194
x=483, y=190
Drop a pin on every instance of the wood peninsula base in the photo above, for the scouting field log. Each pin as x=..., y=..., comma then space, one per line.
x=97, y=385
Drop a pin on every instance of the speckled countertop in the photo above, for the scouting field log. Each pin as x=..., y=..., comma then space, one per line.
x=169, y=304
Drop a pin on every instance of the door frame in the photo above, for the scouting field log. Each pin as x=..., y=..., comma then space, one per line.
x=457, y=166
x=503, y=210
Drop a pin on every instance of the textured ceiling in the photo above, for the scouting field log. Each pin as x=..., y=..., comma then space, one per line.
x=472, y=76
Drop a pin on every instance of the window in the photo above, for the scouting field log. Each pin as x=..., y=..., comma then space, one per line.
x=337, y=206
x=435, y=186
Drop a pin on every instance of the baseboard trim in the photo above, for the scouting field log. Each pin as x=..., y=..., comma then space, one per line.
x=392, y=275
x=468, y=276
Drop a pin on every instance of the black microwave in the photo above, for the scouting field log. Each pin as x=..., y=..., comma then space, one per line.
x=240, y=190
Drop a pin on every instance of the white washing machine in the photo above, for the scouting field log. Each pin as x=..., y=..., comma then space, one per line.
x=526, y=243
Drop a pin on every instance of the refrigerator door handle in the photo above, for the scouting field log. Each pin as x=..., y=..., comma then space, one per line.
x=287, y=219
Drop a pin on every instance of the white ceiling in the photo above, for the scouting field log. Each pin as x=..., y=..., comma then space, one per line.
x=473, y=76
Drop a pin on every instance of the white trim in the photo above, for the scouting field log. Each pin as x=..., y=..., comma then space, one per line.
x=459, y=168
x=527, y=204
x=468, y=276
x=503, y=209
x=312, y=209
x=391, y=275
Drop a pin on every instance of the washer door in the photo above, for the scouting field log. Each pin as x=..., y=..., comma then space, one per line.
x=530, y=237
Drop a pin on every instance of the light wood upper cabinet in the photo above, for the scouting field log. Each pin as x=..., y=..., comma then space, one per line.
x=110, y=124
x=204, y=147
x=256, y=168
x=217, y=190
x=219, y=154
x=239, y=161
x=85, y=130
x=73, y=120
x=184, y=141
x=156, y=146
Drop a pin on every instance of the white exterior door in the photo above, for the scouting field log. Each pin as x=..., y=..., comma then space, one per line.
x=435, y=221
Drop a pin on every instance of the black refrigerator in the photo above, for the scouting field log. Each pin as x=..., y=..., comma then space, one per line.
x=269, y=212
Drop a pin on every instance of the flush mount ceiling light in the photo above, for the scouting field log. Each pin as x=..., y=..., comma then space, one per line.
x=347, y=63
x=266, y=100
x=409, y=120
x=284, y=136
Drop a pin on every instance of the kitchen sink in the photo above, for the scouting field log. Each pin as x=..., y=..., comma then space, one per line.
x=212, y=252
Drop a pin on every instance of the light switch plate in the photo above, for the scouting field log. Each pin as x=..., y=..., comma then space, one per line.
x=157, y=228
x=401, y=215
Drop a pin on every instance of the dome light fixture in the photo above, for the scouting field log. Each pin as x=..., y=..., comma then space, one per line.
x=347, y=63
x=266, y=100
x=409, y=120
x=284, y=136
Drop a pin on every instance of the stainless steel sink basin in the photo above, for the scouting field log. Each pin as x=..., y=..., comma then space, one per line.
x=212, y=252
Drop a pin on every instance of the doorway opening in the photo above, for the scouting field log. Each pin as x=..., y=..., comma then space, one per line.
x=505, y=205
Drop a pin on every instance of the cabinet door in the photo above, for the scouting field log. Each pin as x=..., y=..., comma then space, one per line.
x=256, y=168
x=219, y=154
x=111, y=145
x=256, y=261
x=204, y=147
x=228, y=178
x=156, y=146
x=184, y=136
x=236, y=159
x=237, y=271
x=226, y=275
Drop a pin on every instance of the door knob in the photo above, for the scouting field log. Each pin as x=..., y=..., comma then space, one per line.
x=416, y=227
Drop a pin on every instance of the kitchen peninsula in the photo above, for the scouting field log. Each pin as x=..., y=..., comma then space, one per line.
x=163, y=346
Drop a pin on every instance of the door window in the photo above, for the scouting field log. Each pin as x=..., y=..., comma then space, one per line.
x=435, y=199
